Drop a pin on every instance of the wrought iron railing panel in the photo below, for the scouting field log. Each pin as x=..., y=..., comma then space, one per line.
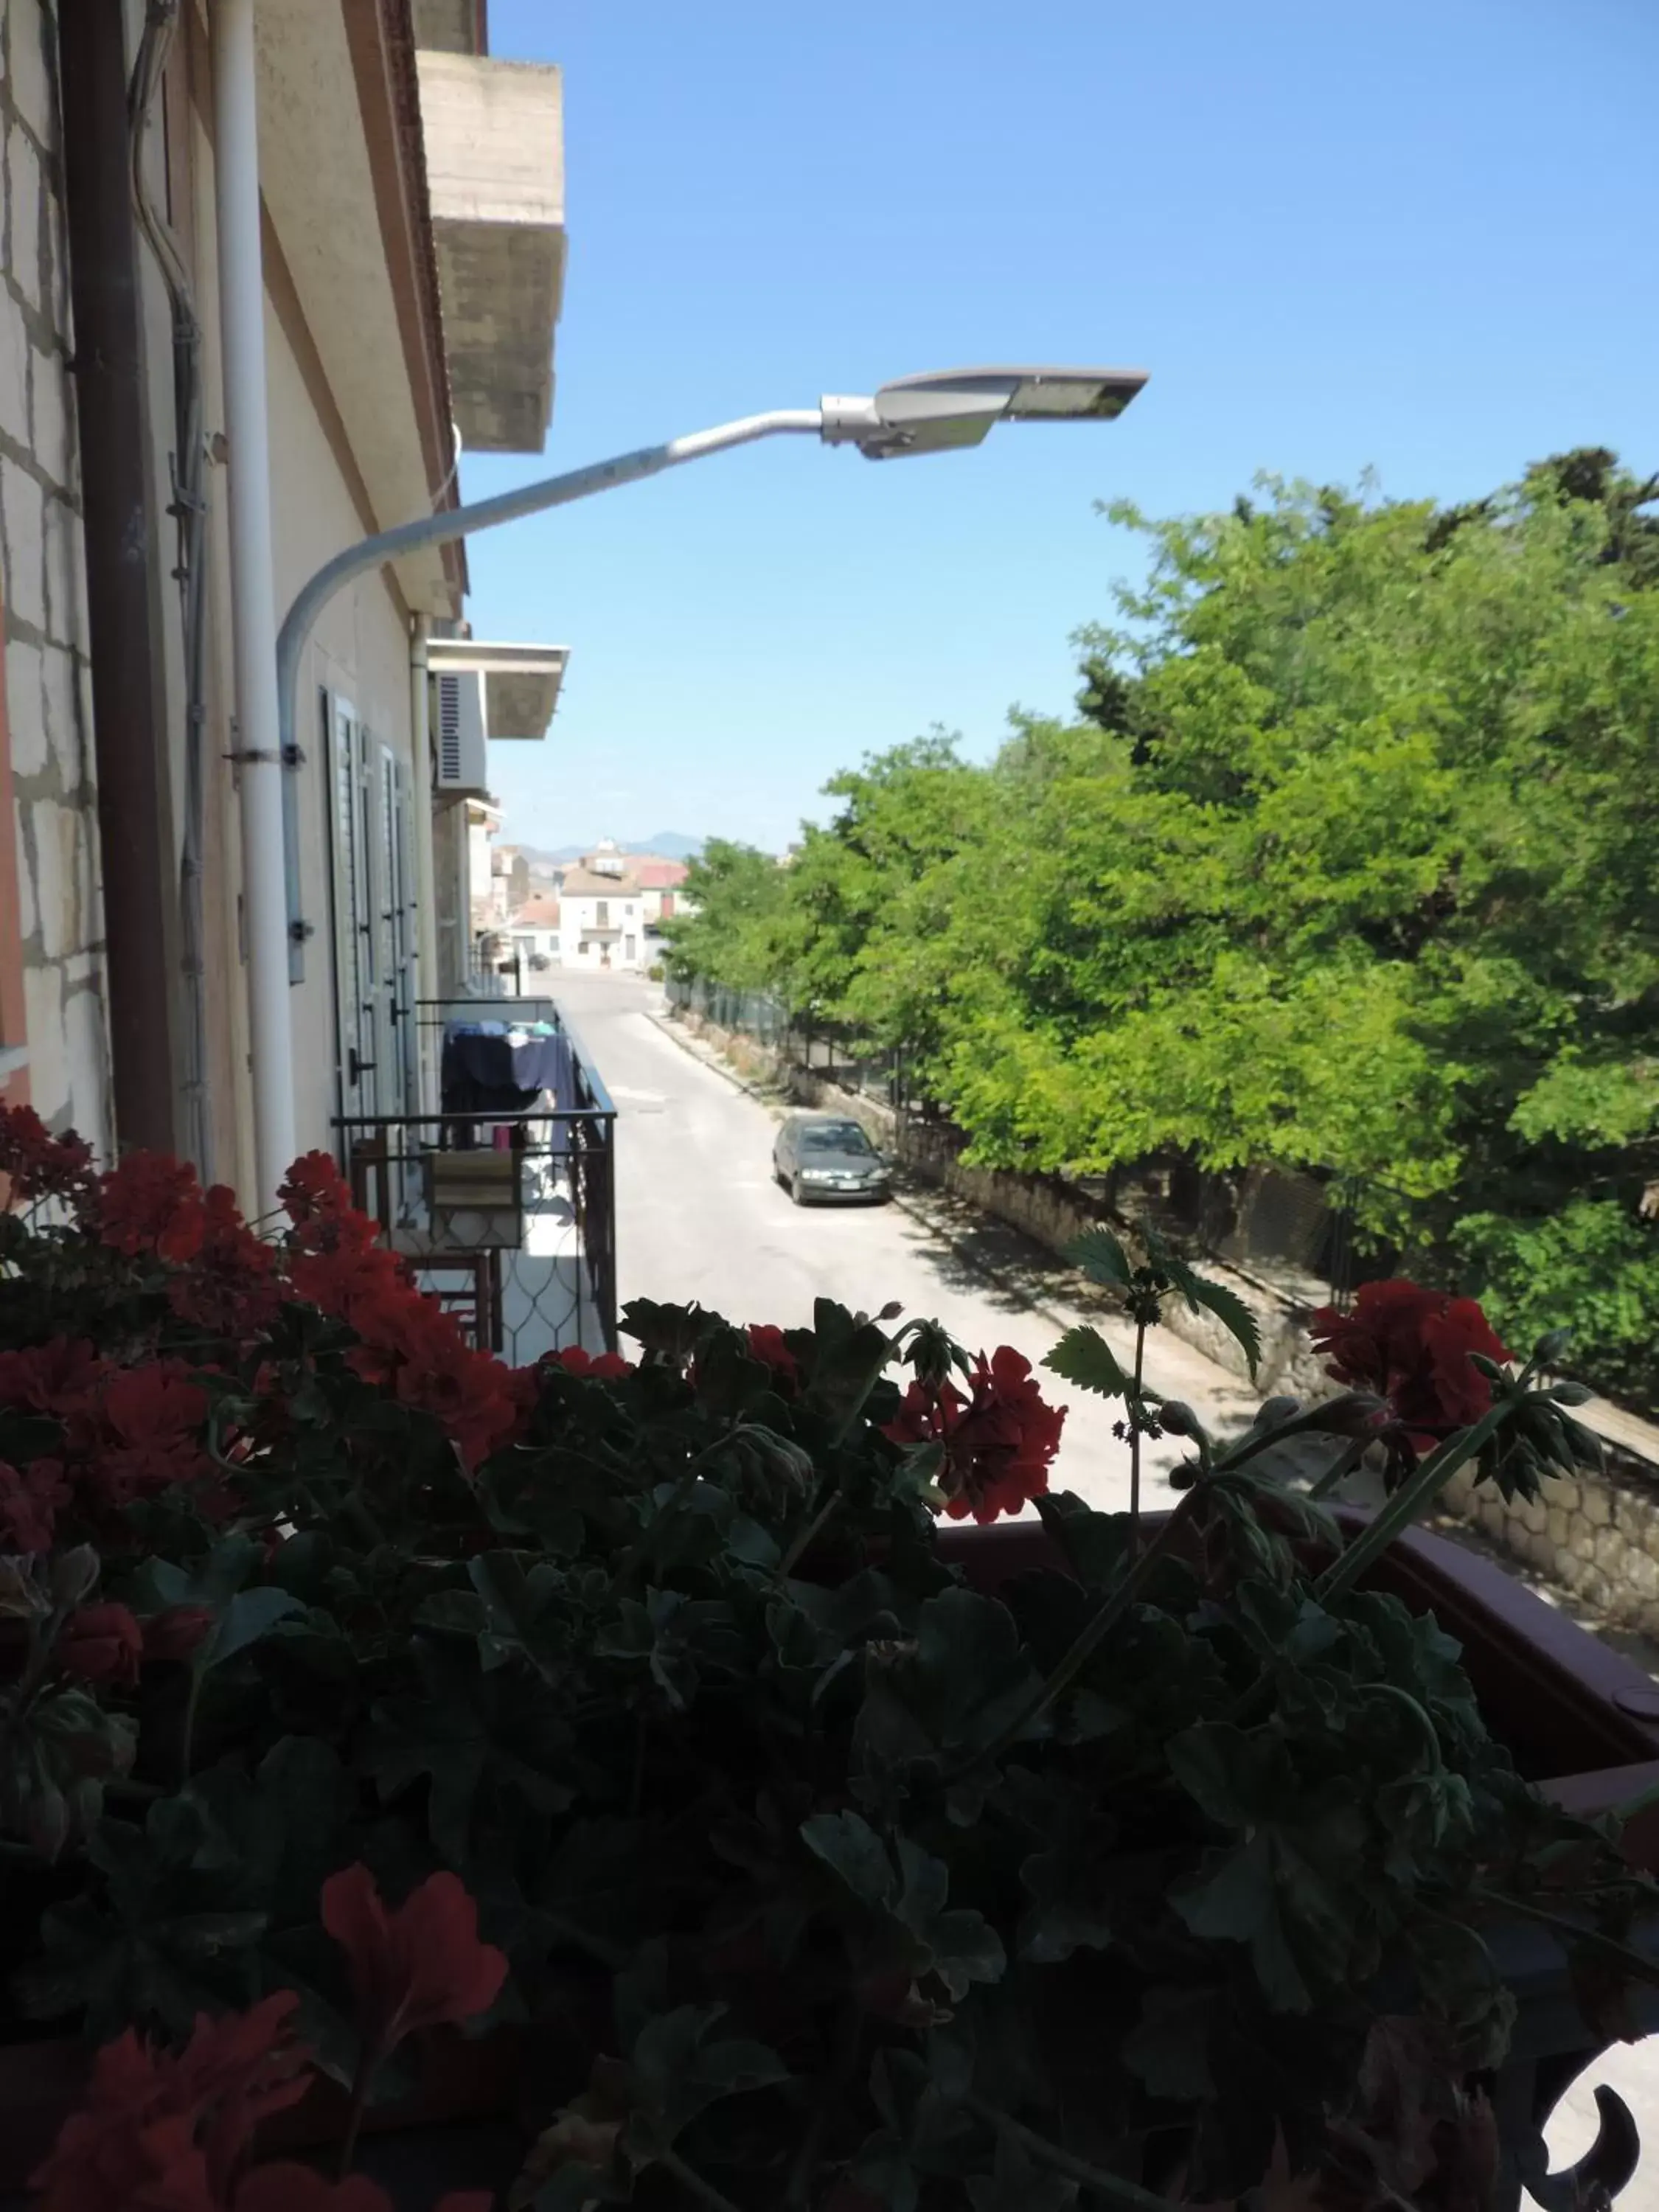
x=507, y=1217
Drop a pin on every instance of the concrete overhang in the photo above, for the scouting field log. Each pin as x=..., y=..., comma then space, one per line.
x=495, y=162
x=521, y=682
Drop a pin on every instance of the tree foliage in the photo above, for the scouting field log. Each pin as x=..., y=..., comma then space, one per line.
x=1348, y=866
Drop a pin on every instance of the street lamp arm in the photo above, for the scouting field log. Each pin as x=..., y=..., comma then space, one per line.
x=438, y=529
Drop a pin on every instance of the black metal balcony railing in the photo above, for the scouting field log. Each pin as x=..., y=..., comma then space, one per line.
x=509, y=1217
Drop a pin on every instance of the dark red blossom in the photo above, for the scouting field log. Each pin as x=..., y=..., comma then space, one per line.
x=313, y=1189
x=31, y=1498
x=998, y=1440
x=162, y=2131
x=598, y=1367
x=411, y=1346
x=144, y=1431
x=102, y=1643
x=286, y=2187
x=1411, y=1348
x=420, y=1967
x=49, y=1378
x=766, y=1344
x=148, y=1203
x=37, y=1164
x=178, y=1633
x=230, y=1286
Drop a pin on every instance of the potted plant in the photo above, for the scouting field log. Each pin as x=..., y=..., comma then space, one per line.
x=632, y=1782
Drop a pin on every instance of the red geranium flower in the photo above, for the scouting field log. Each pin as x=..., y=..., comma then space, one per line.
x=49, y=1378
x=149, y=1203
x=314, y=1189
x=999, y=1442
x=178, y=1633
x=102, y=1643
x=30, y=1499
x=167, y=2131
x=39, y=1164
x=766, y=1344
x=230, y=1286
x=1411, y=1346
x=288, y=2188
x=419, y=1967
x=144, y=1431
x=597, y=1366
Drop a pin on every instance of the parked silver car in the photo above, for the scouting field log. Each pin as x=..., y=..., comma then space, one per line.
x=828, y=1157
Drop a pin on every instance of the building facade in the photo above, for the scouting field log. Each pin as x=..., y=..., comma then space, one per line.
x=602, y=914
x=410, y=240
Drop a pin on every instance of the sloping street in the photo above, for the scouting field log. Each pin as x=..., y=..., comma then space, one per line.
x=699, y=1217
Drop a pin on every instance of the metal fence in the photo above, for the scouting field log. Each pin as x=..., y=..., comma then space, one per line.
x=508, y=1218
x=846, y=1057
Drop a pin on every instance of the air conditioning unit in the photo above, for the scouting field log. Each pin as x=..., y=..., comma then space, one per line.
x=461, y=754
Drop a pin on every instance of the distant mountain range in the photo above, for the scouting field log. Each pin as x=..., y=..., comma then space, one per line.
x=666, y=845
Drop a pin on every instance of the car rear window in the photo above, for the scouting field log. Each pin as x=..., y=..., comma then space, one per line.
x=833, y=1137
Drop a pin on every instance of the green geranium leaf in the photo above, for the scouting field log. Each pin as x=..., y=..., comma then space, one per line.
x=1168, y=2047
x=249, y=1615
x=1018, y=2184
x=851, y=1848
x=681, y=2065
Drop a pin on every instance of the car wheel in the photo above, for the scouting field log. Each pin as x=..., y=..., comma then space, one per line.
x=796, y=1191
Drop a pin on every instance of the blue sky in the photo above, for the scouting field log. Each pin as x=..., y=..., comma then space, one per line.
x=1417, y=236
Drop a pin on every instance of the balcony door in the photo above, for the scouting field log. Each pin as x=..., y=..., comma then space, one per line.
x=375, y=919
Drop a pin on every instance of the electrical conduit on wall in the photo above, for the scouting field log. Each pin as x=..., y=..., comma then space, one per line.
x=257, y=751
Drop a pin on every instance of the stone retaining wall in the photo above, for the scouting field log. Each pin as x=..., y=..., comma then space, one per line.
x=1597, y=1537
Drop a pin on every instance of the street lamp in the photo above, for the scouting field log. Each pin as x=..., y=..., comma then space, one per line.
x=933, y=413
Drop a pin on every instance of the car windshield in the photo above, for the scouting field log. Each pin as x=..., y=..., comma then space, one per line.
x=833, y=1137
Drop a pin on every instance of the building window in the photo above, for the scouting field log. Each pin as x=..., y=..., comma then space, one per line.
x=601, y=914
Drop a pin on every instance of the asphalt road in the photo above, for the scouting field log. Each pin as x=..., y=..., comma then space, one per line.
x=699, y=1217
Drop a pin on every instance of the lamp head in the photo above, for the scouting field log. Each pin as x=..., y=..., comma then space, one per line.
x=952, y=407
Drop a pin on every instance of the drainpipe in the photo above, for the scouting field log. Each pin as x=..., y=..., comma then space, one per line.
x=123, y=611
x=425, y=919
x=257, y=751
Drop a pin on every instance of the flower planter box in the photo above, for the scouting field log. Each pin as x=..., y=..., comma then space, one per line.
x=1580, y=1721
x=475, y=1199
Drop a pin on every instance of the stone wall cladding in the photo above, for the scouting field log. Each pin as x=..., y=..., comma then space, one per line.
x=1597, y=1536
x=42, y=573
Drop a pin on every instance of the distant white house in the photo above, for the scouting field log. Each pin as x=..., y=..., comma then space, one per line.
x=601, y=914
x=533, y=931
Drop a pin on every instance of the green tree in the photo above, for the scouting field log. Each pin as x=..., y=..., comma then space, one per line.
x=1348, y=865
x=737, y=896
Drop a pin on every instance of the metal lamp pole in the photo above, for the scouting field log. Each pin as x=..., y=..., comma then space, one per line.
x=915, y=414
